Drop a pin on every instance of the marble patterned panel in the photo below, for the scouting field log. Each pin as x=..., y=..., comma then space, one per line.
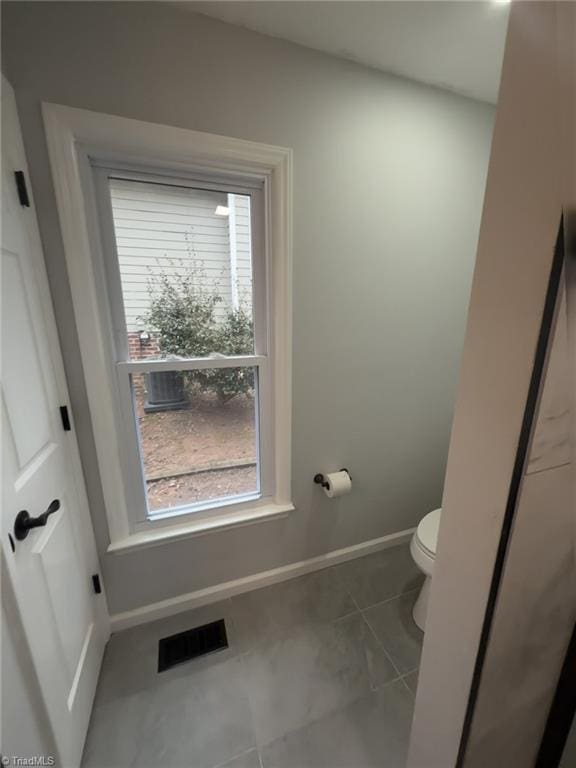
x=569, y=753
x=550, y=445
x=411, y=680
x=250, y=759
x=532, y=625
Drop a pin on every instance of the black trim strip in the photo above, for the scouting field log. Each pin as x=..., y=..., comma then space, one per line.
x=521, y=453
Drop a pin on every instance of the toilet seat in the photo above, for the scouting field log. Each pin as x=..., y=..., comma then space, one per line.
x=427, y=532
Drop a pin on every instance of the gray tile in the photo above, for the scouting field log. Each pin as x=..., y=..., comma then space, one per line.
x=395, y=628
x=411, y=680
x=313, y=670
x=200, y=720
x=380, y=576
x=131, y=659
x=265, y=615
x=371, y=732
x=115, y=731
x=299, y=652
x=250, y=759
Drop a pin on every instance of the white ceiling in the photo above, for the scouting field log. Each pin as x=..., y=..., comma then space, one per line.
x=453, y=45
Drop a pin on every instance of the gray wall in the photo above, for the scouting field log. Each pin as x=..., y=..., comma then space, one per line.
x=389, y=181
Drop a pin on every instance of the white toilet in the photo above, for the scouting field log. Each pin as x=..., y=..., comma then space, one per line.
x=423, y=549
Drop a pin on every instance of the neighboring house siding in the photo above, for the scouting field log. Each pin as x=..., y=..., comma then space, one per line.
x=241, y=204
x=163, y=229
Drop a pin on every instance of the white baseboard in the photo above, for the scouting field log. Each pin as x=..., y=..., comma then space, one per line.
x=190, y=600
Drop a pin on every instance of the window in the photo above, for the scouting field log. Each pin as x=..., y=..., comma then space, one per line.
x=186, y=284
x=181, y=294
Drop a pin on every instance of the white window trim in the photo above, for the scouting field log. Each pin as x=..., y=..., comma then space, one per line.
x=72, y=135
x=105, y=262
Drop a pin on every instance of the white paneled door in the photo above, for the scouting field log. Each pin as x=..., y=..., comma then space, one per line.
x=47, y=538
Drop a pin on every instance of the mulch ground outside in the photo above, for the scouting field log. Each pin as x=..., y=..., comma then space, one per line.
x=187, y=489
x=208, y=435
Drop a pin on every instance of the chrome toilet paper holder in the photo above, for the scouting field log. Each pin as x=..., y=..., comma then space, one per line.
x=319, y=478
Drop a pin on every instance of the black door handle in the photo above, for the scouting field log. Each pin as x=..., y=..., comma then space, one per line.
x=24, y=522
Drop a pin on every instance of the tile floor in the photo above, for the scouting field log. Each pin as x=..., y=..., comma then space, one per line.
x=320, y=671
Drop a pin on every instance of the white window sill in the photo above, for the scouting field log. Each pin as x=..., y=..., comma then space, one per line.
x=165, y=535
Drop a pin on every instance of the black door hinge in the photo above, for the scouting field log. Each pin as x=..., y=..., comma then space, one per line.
x=22, y=189
x=65, y=418
x=96, y=584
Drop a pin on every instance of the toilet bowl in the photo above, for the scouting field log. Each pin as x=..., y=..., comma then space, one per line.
x=423, y=550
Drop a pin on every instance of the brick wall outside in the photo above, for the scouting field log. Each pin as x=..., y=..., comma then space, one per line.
x=140, y=349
